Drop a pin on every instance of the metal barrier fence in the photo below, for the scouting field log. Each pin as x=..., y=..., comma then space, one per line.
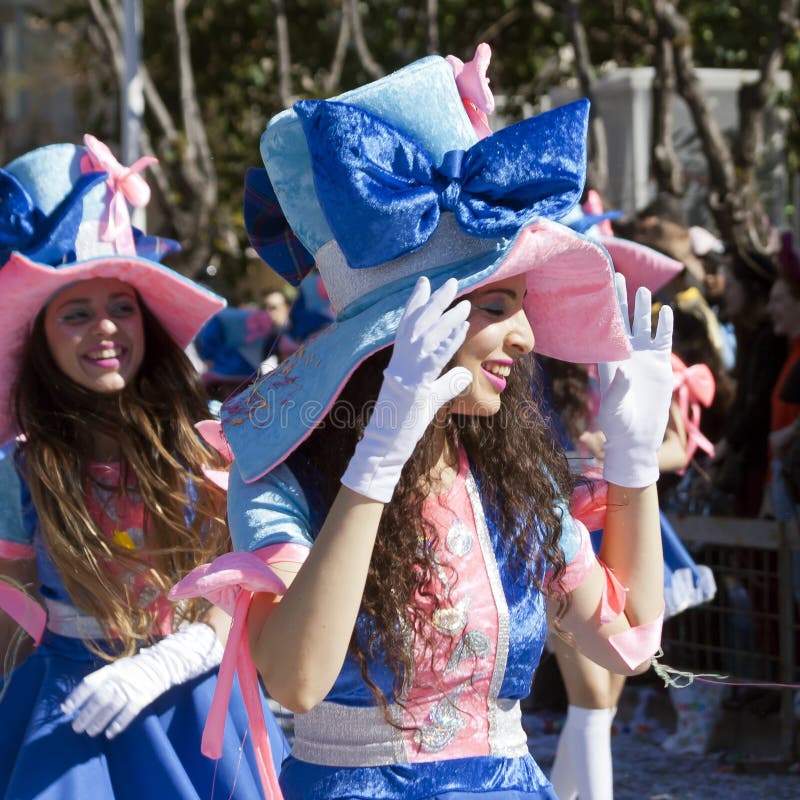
x=751, y=630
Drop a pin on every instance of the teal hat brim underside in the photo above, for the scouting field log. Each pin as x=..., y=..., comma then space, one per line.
x=268, y=420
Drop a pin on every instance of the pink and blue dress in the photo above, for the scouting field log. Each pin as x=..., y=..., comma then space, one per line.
x=158, y=755
x=458, y=732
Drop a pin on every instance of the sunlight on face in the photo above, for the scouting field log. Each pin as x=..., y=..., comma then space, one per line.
x=95, y=333
x=499, y=334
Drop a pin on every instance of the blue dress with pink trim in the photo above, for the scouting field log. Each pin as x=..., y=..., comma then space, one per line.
x=458, y=732
x=157, y=756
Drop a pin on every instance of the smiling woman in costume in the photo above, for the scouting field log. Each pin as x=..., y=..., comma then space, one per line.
x=102, y=401
x=394, y=471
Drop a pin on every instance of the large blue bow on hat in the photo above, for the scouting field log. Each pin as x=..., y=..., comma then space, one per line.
x=382, y=195
x=46, y=238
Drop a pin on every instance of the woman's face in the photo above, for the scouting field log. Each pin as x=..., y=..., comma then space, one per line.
x=784, y=309
x=95, y=333
x=499, y=333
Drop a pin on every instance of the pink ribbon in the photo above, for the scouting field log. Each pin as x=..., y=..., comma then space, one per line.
x=637, y=644
x=127, y=187
x=24, y=610
x=693, y=386
x=473, y=86
x=211, y=431
x=230, y=583
x=594, y=205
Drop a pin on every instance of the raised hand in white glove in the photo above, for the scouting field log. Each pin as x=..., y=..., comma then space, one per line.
x=413, y=390
x=635, y=395
x=110, y=698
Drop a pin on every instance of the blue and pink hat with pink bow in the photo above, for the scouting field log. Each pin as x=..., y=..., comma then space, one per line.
x=64, y=218
x=401, y=178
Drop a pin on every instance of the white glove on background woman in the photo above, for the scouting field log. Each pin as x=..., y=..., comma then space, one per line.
x=110, y=698
x=635, y=395
x=412, y=391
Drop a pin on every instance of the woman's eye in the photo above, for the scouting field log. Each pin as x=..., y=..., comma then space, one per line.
x=123, y=309
x=75, y=316
x=493, y=310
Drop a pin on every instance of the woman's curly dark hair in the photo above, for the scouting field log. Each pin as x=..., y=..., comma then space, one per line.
x=522, y=475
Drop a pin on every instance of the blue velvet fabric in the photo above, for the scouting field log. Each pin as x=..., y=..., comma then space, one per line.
x=157, y=756
x=45, y=236
x=527, y=624
x=486, y=778
x=381, y=191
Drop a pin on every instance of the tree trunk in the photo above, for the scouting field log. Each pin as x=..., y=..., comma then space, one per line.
x=666, y=168
x=597, y=172
x=734, y=196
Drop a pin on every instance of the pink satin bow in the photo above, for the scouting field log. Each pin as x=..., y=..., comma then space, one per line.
x=230, y=583
x=693, y=386
x=127, y=187
x=473, y=86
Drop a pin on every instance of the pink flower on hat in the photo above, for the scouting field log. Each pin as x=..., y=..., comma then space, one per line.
x=473, y=86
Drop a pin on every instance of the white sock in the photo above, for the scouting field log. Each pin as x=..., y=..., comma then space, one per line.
x=582, y=767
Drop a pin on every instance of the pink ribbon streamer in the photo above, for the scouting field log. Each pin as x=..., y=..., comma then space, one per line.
x=127, y=187
x=230, y=583
x=24, y=610
x=693, y=386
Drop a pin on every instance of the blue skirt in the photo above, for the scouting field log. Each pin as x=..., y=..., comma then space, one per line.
x=157, y=756
x=477, y=778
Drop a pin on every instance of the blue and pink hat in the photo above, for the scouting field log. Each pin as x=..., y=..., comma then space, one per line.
x=392, y=181
x=64, y=218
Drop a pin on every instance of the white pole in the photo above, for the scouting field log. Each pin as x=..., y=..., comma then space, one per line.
x=132, y=93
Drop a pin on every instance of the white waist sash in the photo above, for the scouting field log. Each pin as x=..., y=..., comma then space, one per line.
x=66, y=620
x=359, y=736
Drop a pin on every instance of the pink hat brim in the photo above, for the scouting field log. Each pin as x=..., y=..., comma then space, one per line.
x=641, y=265
x=571, y=302
x=179, y=304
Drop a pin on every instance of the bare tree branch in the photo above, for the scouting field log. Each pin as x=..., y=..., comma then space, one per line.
x=198, y=150
x=111, y=35
x=284, y=55
x=372, y=67
x=666, y=167
x=598, y=145
x=494, y=30
x=331, y=80
x=432, y=28
x=753, y=97
x=734, y=200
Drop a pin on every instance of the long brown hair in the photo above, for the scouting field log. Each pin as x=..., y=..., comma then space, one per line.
x=522, y=474
x=161, y=456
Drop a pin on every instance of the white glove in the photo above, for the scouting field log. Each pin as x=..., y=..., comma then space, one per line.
x=110, y=698
x=412, y=391
x=635, y=396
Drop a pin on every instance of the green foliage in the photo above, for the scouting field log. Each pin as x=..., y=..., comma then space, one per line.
x=235, y=57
